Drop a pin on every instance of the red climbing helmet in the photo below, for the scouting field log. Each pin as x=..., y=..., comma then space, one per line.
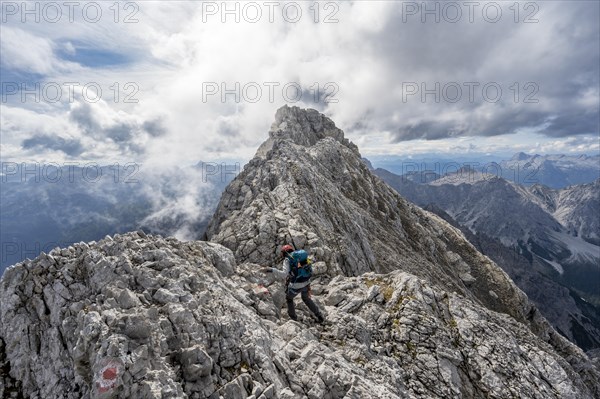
x=286, y=249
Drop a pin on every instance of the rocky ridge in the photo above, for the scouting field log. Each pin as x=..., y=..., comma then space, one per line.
x=147, y=317
x=545, y=239
x=413, y=309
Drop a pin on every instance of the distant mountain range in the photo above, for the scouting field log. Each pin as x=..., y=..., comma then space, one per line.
x=546, y=239
x=554, y=171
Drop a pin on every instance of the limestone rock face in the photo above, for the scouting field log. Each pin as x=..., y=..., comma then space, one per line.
x=133, y=315
x=412, y=309
x=107, y=320
x=321, y=195
x=542, y=237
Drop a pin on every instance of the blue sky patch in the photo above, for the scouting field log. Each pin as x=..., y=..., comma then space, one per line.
x=93, y=57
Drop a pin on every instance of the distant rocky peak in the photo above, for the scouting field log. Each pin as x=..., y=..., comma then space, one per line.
x=368, y=163
x=305, y=127
x=520, y=156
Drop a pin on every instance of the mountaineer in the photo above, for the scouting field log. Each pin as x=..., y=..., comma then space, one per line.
x=297, y=270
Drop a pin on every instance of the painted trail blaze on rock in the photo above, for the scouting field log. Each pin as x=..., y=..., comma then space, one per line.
x=107, y=379
x=261, y=290
x=110, y=374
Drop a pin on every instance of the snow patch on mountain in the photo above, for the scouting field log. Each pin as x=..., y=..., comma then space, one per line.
x=463, y=176
x=581, y=251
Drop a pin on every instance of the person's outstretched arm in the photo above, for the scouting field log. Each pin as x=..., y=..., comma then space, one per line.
x=281, y=274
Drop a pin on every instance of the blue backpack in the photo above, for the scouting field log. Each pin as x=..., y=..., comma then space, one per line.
x=300, y=266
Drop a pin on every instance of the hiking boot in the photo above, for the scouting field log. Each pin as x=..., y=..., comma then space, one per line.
x=320, y=319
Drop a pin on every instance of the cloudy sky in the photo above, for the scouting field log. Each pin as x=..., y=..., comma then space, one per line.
x=177, y=82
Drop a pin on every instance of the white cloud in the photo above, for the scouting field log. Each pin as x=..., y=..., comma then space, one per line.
x=38, y=58
x=173, y=52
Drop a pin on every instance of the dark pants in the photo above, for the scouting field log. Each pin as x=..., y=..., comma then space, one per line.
x=305, y=294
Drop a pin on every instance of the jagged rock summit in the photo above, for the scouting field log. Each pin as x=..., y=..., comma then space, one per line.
x=413, y=310
x=305, y=127
x=312, y=187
